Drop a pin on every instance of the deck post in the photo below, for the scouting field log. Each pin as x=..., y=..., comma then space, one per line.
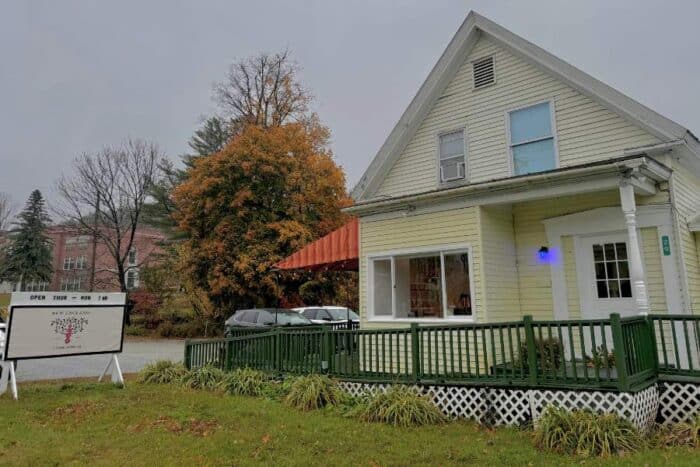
x=188, y=354
x=619, y=351
x=629, y=209
x=415, y=352
x=531, y=350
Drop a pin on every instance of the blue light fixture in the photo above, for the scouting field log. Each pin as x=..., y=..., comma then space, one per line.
x=543, y=254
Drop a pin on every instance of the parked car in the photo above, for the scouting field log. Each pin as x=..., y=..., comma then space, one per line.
x=265, y=317
x=328, y=314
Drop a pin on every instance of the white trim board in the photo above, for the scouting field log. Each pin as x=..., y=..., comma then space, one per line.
x=606, y=220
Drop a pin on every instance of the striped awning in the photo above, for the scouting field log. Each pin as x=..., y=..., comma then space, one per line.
x=337, y=251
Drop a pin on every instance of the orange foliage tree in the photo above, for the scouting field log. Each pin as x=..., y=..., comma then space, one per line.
x=269, y=192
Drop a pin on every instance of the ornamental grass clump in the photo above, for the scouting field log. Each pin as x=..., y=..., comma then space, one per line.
x=585, y=433
x=245, y=382
x=678, y=434
x=162, y=372
x=313, y=392
x=400, y=406
x=207, y=377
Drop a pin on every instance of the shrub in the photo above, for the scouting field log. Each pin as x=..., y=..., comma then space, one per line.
x=601, y=358
x=145, y=306
x=207, y=377
x=313, y=392
x=162, y=372
x=585, y=433
x=678, y=434
x=400, y=406
x=548, y=352
x=134, y=330
x=245, y=382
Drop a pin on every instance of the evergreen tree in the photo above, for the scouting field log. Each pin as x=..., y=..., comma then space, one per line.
x=28, y=255
x=209, y=139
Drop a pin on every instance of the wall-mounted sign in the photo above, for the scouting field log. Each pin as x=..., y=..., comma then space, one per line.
x=58, y=324
x=666, y=245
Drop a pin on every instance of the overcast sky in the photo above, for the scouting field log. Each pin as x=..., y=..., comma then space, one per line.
x=78, y=75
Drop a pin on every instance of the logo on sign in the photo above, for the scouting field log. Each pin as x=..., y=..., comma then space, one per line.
x=69, y=327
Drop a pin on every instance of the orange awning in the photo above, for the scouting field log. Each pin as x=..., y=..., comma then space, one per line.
x=336, y=251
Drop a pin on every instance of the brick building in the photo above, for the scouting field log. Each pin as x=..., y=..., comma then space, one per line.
x=73, y=261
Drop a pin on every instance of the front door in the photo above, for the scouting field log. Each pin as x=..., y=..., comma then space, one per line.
x=605, y=276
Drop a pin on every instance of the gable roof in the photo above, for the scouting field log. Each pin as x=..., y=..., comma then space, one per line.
x=473, y=27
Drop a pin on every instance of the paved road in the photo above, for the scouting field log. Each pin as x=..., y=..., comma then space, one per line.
x=137, y=353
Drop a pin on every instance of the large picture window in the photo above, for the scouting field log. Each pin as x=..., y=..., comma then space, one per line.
x=430, y=285
x=532, y=145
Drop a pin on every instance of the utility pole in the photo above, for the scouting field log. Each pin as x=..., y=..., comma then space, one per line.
x=94, y=244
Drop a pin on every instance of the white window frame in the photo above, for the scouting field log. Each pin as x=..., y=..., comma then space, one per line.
x=436, y=250
x=71, y=284
x=553, y=126
x=135, y=272
x=133, y=251
x=465, y=148
x=68, y=263
x=80, y=262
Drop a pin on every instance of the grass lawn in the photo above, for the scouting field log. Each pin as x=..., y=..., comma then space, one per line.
x=84, y=423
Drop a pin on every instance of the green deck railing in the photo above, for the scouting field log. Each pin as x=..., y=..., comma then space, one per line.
x=677, y=344
x=608, y=354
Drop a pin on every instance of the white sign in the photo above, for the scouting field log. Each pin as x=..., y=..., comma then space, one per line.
x=57, y=324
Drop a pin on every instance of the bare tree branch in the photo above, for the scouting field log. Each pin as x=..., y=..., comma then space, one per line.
x=7, y=210
x=264, y=90
x=106, y=194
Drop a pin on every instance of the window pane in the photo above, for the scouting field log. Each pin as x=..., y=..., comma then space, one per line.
x=382, y=288
x=418, y=287
x=452, y=169
x=534, y=157
x=457, y=284
x=609, y=252
x=600, y=271
x=621, y=250
x=623, y=268
x=612, y=270
x=614, y=289
x=625, y=289
x=597, y=253
x=530, y=123
x=602, y=289
x=451, y=145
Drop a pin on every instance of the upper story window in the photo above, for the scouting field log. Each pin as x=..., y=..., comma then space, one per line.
x=532, y=145
x=452, y=156
x=68, y=264
x=132, y=257
x=132, y=279
x=80, y=262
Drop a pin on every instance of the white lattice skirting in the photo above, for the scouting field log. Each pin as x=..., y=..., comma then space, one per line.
x=502, y=406
x=678, y=402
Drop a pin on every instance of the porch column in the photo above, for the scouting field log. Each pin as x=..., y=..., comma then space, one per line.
x=634, y=252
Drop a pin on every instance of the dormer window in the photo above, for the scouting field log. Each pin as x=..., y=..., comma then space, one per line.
x=452, y=156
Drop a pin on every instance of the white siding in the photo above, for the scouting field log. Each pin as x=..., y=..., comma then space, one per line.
x=586, y=130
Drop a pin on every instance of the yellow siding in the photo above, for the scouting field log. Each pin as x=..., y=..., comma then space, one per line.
x=569, y=257
x=440, y=228
x=534, y=277
x=500, y=270
x=651, y=254
x=586, y=130
x=686, y=195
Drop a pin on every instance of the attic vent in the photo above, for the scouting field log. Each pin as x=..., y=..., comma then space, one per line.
x=484, y=73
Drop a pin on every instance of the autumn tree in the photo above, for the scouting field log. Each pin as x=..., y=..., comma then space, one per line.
x=270, y=191
x=27, y=256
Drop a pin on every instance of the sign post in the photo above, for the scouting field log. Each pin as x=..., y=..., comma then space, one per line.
x=63, y=324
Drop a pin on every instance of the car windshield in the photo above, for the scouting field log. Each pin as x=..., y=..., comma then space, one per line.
x=342, y=313
x=291, y=318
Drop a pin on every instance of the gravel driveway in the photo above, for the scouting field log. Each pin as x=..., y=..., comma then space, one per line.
x=137, y=353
